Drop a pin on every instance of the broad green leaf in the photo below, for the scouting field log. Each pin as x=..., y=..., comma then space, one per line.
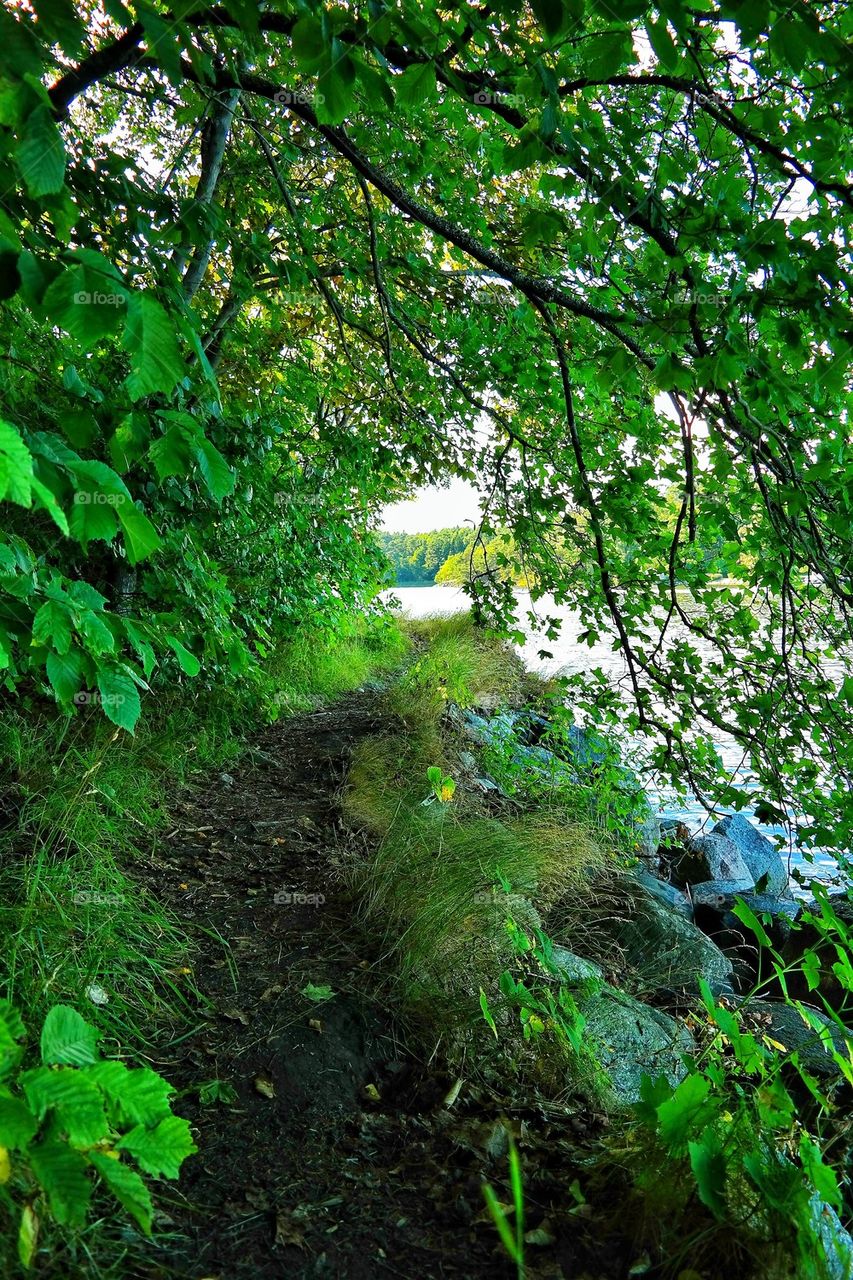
x=708, y=1162
x=27, y=1236
x=61, y=1171
x=68, y=1039
x=119, y=698
x=52, y=626
x=217, y=474
x=75, y=1099
x=16, y=466
x=308, y=43
x=65, y=673
x=140, y=1096
x=160, y=1151
x=149, y=336
x=140, y=536
x=187, y=661
x=41, y=155
x=99, y=638
x=127, y=1187
x=87, y=300
x=18, y=1125
x=416, y=85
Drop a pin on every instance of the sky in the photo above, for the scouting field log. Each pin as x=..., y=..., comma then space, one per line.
x=433, y=508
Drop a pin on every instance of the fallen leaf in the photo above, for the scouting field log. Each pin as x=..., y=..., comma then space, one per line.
x=316, y=1025
x=274, y=990
x=236, y=1015
x=264, y=1086
x=372, y=1092
x=453, y=1093
x=317, y=993
x=286, y=1231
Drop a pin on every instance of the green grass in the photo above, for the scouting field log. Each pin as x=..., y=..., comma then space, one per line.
x=428, y=887
x=83, y=802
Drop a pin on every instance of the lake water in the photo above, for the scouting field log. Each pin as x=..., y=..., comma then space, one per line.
x=571, y=657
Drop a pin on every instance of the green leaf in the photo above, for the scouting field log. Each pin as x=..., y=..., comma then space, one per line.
x=335, y=86
x=65, y=673
x=149, y=336
x=77, y=1102
x=18, y=1125
x=549, y=15
x=16, y=466
x=27, y=1236
x=308, y=43
x=217, y=474
x=318, y=994
x=46, y=499
x=681, y=1114
x=160, y=1151
x=708, y=1162
x=748, y=917
x=67, y=1039
x=187, y=661
x=140, y=1095
x=87, y=300
x=62, y=1173
x=93, y=629
x=662, y=43
x=127, y=1187
x=52, y=626
x=140, y=536
x=41, y=155
x=416, y=85
x=119, y=697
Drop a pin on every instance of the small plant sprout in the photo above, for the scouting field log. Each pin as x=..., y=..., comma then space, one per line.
x=443, y=788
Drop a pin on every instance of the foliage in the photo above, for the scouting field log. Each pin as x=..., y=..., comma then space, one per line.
x=263, y=268
x=417, y=558
x=75, y=1115
x=497, y=558
x=512, y=1237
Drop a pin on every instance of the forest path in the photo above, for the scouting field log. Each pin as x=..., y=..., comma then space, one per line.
x=303, y=1173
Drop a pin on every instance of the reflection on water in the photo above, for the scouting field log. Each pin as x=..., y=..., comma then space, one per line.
x=568, y=656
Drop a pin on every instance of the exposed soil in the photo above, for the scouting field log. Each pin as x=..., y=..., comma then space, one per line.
x=338, y=1156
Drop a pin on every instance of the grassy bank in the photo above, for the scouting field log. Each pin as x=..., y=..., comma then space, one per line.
x=502, y=914
x=81, y=803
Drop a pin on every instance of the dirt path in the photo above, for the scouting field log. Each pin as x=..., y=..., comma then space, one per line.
x=337, y=1156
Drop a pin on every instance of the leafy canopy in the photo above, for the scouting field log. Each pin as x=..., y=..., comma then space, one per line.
x=263, y=267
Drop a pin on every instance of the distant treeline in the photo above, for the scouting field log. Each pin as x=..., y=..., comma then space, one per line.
x=444, y=556
x=417, y=557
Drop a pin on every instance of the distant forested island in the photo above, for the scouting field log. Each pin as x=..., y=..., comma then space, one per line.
x=446, y=556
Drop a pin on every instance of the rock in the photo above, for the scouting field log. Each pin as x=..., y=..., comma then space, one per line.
x=575, y=969
x=647, y=836
x=629, y=1039
x=786, y=1026
x=718, y=894
x=712, y=857
x=837, y=1243
x=761, y=856
x=665, y=893
x=666, y=951
x=226, y=779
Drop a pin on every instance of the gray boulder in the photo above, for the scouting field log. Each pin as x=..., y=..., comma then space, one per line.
x=629, y=1039
x=666, y=951
x=761, y=856
x=574, y=969
x=786, y=1026
x=836, y=1242
x=711, y=857
x=666, y=893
